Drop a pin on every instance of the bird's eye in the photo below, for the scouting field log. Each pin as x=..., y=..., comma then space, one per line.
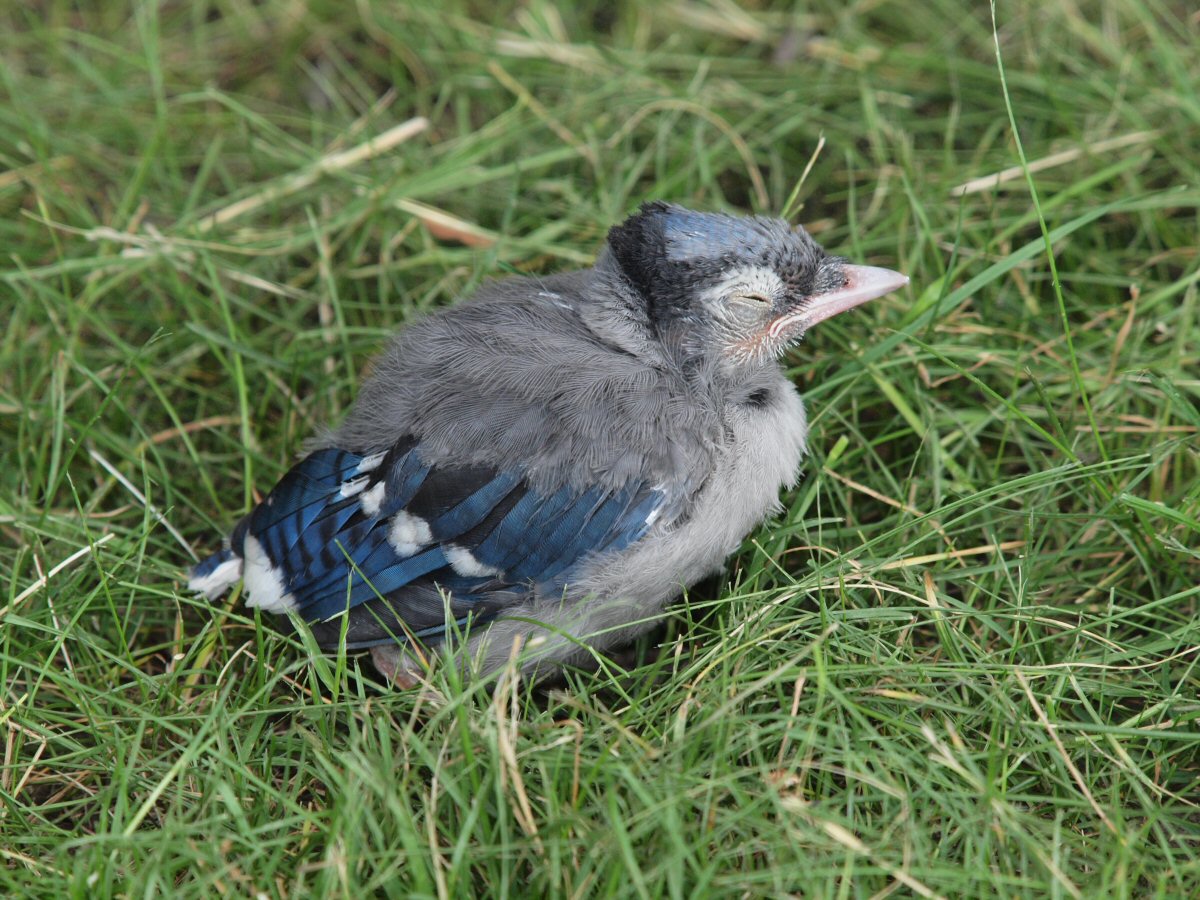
x=755, y=298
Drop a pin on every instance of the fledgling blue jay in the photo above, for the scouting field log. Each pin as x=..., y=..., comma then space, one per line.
x=553, y=461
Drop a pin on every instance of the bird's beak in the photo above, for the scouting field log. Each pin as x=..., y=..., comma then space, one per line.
x=863, y=283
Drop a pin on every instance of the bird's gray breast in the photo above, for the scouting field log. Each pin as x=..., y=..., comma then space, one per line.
x=761, y=453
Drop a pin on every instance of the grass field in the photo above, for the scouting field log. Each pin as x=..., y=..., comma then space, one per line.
x=964, y=662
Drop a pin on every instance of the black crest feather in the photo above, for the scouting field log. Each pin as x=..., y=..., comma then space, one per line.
x=639, y=245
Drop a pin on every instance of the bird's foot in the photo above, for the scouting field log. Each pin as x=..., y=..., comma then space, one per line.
x=395, y=666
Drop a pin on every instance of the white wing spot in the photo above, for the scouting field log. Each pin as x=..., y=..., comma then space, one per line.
x=219, y=580
x=352, y=487
x=408, y=533
x=373, y=499
x=264, y=583
x=464, y=563
x=369, y=463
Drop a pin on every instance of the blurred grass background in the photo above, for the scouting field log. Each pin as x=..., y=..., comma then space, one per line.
x=963, y=663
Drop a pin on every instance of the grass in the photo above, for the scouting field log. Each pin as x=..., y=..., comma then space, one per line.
x=964, y=660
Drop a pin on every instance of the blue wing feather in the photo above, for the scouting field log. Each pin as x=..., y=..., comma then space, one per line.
x=466, y=515
x=403, y=479
x=524, y=527
x=561, y=533
x=327, y=528
x=304, y=490
x=591, y=536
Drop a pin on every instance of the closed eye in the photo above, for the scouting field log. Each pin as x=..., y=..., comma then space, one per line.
x=755, y=298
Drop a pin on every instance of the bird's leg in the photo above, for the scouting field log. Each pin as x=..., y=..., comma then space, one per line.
x=390, y=662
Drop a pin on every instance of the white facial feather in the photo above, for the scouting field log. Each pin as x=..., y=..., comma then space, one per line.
x=755, y=280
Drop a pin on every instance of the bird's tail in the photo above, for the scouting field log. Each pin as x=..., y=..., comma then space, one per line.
x=212, y=577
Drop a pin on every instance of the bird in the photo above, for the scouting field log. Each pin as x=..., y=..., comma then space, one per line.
x=532, y=475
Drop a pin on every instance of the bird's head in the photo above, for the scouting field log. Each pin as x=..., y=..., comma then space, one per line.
x=741, y=290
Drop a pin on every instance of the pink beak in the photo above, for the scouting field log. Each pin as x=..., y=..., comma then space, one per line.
x=863, y=283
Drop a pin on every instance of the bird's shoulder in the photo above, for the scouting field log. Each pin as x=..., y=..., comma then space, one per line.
x=519, y=378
